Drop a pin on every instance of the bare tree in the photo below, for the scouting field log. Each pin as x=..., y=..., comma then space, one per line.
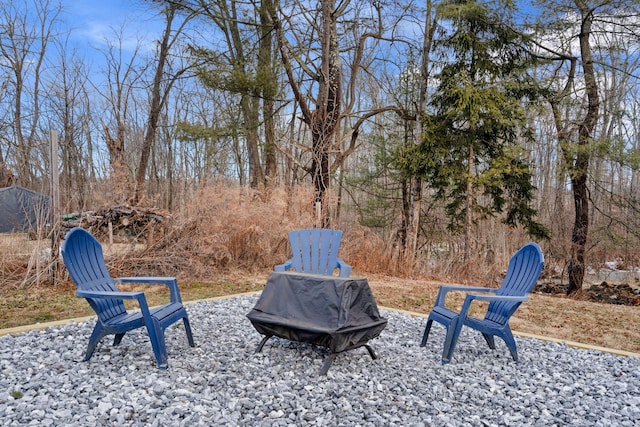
x=314, y=66
x=121, y=76
x=69, y=110
x=576, y=116
x=269, y=89
x=413, y=199
x=245, y=68
x=160, y=89
x=27, y=30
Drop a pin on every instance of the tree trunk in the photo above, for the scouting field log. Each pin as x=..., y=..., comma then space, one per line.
x=117, y=161
x=414, y=223
x=268, y=82
x=250, y=111
x=415, y=201
x=324, y=120
x=468, y=208
x=581, y=165
x=579, y=235
x=158, y=98
x=320, y=169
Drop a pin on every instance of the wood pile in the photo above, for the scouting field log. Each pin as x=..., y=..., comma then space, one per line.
x=120, y=223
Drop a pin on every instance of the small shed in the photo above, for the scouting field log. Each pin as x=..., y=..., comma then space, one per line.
x=22, y=210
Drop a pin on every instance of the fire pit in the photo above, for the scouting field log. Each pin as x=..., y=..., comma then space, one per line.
x=338, y=313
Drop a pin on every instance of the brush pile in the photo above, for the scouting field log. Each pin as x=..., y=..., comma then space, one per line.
x=124, y=223
x=608, y=293
x=611, y=293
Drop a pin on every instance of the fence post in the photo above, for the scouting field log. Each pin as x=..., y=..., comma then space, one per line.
x=54, y=209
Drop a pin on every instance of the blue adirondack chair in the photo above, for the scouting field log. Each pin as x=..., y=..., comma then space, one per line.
x=523, y=272
x=83, y=257
x=315, y=251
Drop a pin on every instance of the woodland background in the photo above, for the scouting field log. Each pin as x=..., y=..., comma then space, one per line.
x=440, y=136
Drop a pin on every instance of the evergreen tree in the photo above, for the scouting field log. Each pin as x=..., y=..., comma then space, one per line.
x=471, y=153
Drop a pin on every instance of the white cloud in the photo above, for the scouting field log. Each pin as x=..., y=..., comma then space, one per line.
x=129, y=23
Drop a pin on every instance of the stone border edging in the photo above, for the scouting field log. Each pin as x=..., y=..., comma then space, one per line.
x=40, y=326
x=573, y=344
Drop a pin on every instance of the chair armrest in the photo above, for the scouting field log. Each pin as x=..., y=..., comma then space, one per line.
x=283, y=267
x=170, y=282
x=498, y=298
x=109, y=295
x=147, y=280
x=444, y=289
x=345, y=269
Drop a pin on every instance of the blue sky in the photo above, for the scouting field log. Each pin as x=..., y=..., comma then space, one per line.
x=94, y=21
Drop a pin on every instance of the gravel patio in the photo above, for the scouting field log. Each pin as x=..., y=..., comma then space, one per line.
x=221, y=382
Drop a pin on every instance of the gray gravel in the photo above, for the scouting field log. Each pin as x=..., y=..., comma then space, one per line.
x=222, y=382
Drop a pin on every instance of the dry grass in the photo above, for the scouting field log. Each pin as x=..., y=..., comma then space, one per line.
x=228, y=239
x=41, y=304
x=605, y=325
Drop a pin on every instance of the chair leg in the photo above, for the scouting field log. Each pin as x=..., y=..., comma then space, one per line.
x=425, y=336
x=453, y=331
x=94, y=339
x=507, y=336
x=156, y=335
x=187, y=328
x=117, y=339
x=490, y=340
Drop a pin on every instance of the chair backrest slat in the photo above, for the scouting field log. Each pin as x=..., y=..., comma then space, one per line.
x=331, y=242
x=524, y=269
x=315, y=250
x=82, y=255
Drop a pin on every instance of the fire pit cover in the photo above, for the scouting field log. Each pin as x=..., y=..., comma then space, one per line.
x=339, y=313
